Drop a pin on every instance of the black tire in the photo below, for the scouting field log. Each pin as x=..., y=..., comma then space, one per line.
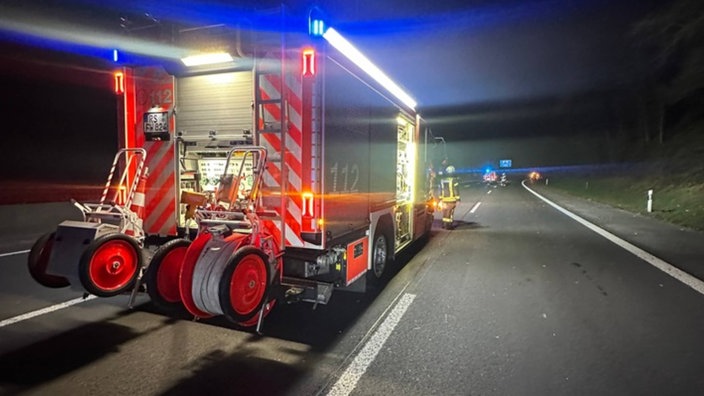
x=162, y=276
x=110, y=265
x=381, y=256
x=38, y=261
x=245, y=284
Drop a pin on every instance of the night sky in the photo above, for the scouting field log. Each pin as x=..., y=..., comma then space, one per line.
x=59, y=117
x=480, y=70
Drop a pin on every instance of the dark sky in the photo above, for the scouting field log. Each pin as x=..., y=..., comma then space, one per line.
x=476, y=63
x=449, y=52
x=479, y=69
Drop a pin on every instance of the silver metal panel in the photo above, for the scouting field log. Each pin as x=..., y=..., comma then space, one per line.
x=215, y=102
x=72, y=239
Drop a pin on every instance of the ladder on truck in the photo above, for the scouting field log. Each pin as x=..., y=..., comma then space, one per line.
x=271, y=127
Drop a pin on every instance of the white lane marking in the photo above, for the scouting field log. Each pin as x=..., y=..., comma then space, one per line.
x=488, y=192
x=30, y=315
x=664, y=266
x=475, y=207
x=13, y=253
x=348, y=380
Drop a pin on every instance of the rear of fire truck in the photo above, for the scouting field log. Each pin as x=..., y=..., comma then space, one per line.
x=325, y=150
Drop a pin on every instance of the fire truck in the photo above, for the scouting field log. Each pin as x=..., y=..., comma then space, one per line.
x=273, y=167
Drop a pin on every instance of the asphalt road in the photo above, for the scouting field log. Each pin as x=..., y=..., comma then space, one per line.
x=518, y=299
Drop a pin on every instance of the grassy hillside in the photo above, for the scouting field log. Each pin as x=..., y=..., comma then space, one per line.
x=674, y=171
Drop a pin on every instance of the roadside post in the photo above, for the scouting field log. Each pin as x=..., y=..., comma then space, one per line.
x=650, y=201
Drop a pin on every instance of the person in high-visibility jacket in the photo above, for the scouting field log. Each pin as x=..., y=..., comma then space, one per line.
x=449, y=196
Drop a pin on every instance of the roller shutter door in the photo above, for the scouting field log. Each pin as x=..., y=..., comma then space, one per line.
x=220, y=102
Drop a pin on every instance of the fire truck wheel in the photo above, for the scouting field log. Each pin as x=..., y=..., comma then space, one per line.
x=188, y=266
x=110, y=265
x=244, y=284
x=39, y=260
x=380, y=255
x=162, y=276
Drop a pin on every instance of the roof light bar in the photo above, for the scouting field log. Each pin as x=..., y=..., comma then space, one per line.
x=207, y=59
x=353, y=54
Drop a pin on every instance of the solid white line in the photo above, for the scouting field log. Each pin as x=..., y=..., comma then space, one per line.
x=475, y=207
x=30, y=315
x=348, y=380
x=13, y=253
x=687, y=279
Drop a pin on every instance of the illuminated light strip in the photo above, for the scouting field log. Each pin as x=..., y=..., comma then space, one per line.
x=39, y=312
x=353, y=54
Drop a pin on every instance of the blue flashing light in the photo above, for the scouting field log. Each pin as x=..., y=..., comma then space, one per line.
x=317, y=27
x=115, y=55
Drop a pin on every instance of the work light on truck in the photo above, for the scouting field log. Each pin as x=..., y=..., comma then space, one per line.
x=207, y=59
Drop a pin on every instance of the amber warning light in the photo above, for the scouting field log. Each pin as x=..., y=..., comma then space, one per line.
x=119, y=83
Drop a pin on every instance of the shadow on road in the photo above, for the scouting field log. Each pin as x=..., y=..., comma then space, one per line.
x=468, y=225
x=54, y=357
x=213, y=371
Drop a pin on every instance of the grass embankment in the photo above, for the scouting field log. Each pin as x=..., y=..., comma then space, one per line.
x=674, y=171
x=681, y=204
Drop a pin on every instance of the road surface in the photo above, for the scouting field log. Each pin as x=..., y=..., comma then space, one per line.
x=518, y=299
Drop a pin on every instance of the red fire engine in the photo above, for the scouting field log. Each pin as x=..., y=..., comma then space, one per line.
x=282, y=166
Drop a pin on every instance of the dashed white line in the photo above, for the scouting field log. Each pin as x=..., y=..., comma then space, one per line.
x=43, y=311
x=475, y=207
x=56, y=307
x=349, y=378
x=687, y=279
x=13, y=253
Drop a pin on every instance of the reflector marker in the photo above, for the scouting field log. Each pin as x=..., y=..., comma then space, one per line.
x=308, y=69
x=307, y=204
x=119, y=83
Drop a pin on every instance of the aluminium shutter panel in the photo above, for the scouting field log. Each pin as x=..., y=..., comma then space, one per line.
x=215, y=102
